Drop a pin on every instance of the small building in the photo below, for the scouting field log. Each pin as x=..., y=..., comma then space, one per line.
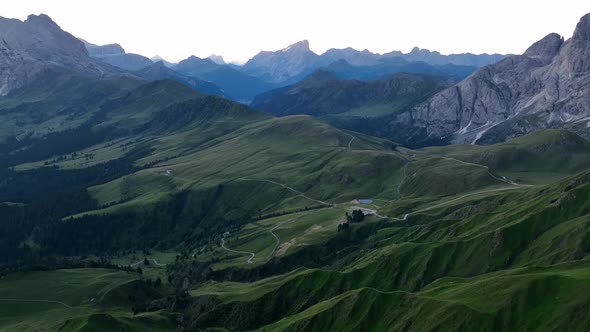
x=367, y=213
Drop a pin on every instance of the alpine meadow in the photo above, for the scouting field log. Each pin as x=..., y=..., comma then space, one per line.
x=298, y=191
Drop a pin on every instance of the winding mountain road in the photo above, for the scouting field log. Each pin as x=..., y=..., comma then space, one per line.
x=252, y=255
x=405, y=217
x=503, y=178
x=277, y=239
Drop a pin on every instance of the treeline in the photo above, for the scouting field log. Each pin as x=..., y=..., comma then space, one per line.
x=42, y=197
x=34, y=262
x=337, y=251
x=187, y=217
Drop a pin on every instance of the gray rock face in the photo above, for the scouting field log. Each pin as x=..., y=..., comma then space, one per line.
x=284, y=64
x=548, y=86
x=115, y=55
x=545, y=48
x=27, y=48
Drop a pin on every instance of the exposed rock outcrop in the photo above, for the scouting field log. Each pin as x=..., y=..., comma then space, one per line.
x=37, y=44
x=548, y=86
x=285, y=64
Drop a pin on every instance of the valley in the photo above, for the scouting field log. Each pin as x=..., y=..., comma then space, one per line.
x=349, y=195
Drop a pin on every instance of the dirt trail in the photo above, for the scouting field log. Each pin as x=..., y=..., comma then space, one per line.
x=252, y=255
x=288, y=188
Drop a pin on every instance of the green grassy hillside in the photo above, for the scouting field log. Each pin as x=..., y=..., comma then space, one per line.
x=75, y=300
x=524, y=299
x=520, y=239
x=542, y=156
x=243, y=217
x=351, y=104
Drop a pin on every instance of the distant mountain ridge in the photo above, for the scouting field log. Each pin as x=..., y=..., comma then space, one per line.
x=157, y=58
x=546, y=87
x=323, y=93
x=436, y=58
x=160, y=71
x=353, y=104
x=115, y=55
x=236, y=84
x=298, y=60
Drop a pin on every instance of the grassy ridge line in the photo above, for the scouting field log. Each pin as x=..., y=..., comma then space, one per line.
x=485, y=303
x=69, y=306
x=493, y=241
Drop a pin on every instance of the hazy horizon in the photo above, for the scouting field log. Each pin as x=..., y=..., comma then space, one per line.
x=238, y=30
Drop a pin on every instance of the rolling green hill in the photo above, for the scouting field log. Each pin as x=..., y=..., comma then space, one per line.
x=489, y=262
x=323, y=93
x=77, y=300
x=133, y=205
x=243, y=217
x=352, y=104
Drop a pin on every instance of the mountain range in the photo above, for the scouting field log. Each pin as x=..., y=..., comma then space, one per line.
x=115, y=55
x=161, y=71
x=268, y=70
x=546, y=87
x=297, y=60
x=145, y=199
x=352, y=104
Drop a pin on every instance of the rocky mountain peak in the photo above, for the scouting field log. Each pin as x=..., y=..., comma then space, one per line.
x=582, y=32
x=41, y=20
x=30, y=47
x=298, y=47
x=422, y=51
x=547, y=87
x=577, y=49
x=546, y=48
x=218, y=59
x=157, y=58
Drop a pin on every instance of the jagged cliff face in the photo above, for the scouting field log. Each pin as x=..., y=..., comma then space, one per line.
x=27, y=48
x=283, y=65
x=547, y=86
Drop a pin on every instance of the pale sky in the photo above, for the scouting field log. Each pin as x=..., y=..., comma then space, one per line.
x=238, y=29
